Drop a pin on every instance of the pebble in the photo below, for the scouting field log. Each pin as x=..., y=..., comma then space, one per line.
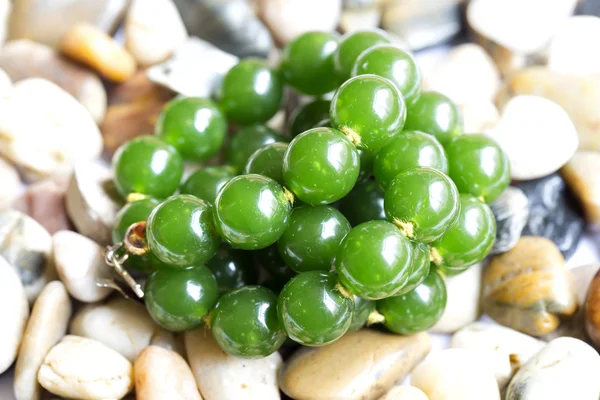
x=163, y=374
x=360, y=365
x=502, y=350
x=81, y=368
x=222, y=377
x=92, y=201
x=5, y=11
x=479, y=116
x=592, y=311
x=531, y=122
x=44, y=201
x=14, y=312
x=566, y=368
x=567, y=58
x=359, y=19
x=453, y=374
x=92, y=47
x=23, y=59
x=45, y=130
x=511, y=211
x=404, y=392
x=11, y=183
x=46, y=326
x=582, y=174
x=528, y=288
x=462, y=306
x=553, y=213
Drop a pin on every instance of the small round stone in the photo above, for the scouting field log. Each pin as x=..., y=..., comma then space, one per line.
x=364, y=203
x=206, y=182
x=435, y=114
x=352, y=45
x=246, y=141
x=268, y=161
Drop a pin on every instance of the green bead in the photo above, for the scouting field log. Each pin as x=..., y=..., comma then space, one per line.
x=268, y=161
x=147, y=165
x=422, y=202
x=364, y=203
x=362, y=309
x=252, y=212
x=307, y=63
x=418, y=310
x=232, y=268
x=370, y=110
x=308, y=115
x=195, y=127
x=179, y=299
x=313, y=238
x=367, y=161
x=251, y=92
x=352, y=45
x=395, y=64
x=247, y=141
x=180, y=231
x=313, y=310
x=435, y=114
x=469, y=240
x=206, y=182
x=419, y=269
x=270, y=259
x=374, y=260
x=408, y=150
x=245, y=324
x=478, y=166
x=320, y=166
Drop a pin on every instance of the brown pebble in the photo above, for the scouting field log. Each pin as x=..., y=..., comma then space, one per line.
x=592, y=310
x=45, y=202
x=582, y=174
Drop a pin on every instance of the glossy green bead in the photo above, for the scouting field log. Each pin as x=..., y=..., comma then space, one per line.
x=179, y=299
x=362, y=309
x=370, y=110
x=352, y=45
x=180, y=231
x=393, y=63
x=308, y=115
x=435, y=114
x=195, y=127
x=364, y=203
x=206, y=182
x=246, y=141
x=147, y=165
x=367, y=161
x=251, y=92
x=478, y=166
x=313, y=238
x=232, y=268
x=422, y=202
x=374, y=260
x=307, y=63
x=419, y=269
x=408, y=150
x=245, y=323
x=418, y=310
x=320, y=166
x=469, y=240
x=268, y=161
x=252, y=212
x=312, y=309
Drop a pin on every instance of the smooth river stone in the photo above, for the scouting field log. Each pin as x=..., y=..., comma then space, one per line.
x=567, y=58
x=361, y=365
x=44, y=201
x=511, y=211
x=529, y=288
x=582, y=174
x=478, y=115
x=566, y=368
x=592, y=311
x=404, y=392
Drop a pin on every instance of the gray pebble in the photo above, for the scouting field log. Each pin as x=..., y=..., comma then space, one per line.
x=511, y=211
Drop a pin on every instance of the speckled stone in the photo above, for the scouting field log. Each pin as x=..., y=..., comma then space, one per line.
x=511, y=211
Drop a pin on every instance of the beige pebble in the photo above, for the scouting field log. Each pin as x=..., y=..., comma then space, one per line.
x=569, y=51
x=582, y=174
x=11, y=183
x=404, y=392
x=479, y=116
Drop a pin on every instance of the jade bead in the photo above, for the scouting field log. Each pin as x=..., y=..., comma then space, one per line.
x=252, y=212
x=308, y=115
x=246, y=141
x=367, y=161
x=364, y=203
x=408, y=150
x=268, y=161
x=320, y=166
x=307, y=63
x=251, y=92
x=435, y=114
x=206, y=182
x=270, y=259
x=419, y=269
x=478, y=166
x=362, y=309
x=423, y=203
x=146, y=165
x=179, y=299
x=374, y=260
x=418, y=310
x=313, y=238
x=469, y=240
x=245, y=324
x=352, y=45
x=393, y=63
x=314, y=310
x=180, y=231
x=370, y=110
x=232, y=268
x=195, y=127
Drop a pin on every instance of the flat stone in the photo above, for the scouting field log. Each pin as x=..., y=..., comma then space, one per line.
x=44, y=201
x=404, y=392
x=81, y=368
x=511, y=211
x=360, y=365
x=479, y=116
x=46, y=326
x=14, y=312
x=567, y=58
x=592, y=311
x=360, y=19
x=562, y=360
x=222, y=377
x=529, y=288
x=11, y=183
x=582, y=174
